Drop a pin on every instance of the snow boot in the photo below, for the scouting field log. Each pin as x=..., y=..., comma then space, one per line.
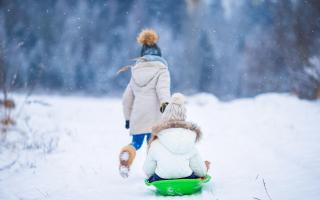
x=126, y=157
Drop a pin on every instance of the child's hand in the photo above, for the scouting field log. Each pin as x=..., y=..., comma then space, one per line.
x=207, y=163
x=127, y=124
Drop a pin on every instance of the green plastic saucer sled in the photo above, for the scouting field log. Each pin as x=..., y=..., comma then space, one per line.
x=178, y=187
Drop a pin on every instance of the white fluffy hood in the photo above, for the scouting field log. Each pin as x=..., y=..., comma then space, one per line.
x=177, y=140
x=144, y=72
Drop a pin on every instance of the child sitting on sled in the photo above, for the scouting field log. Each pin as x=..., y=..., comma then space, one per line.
x=172, y=153
x=145, y=97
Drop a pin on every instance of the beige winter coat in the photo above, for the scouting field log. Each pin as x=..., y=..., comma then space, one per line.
x=148, y=88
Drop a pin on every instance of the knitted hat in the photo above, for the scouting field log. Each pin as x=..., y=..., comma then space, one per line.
x=175, y=110
x=148, y=38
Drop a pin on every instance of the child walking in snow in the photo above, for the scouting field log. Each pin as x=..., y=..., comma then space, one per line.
x=172, y=153
x=145, y=97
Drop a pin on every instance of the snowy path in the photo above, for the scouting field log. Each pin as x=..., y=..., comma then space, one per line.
x=274, y=138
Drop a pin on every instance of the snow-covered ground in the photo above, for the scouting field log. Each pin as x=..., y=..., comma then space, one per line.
x=70, y=146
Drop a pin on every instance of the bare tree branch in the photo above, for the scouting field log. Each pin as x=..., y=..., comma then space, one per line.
x=265, y=188
x=31, y=89
x=8, y=166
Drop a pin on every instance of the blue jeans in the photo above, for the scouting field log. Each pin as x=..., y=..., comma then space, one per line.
x=155, y=177
x=137, y=140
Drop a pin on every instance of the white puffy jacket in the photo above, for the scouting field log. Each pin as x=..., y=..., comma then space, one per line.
x=172, y=152
x=148, y=88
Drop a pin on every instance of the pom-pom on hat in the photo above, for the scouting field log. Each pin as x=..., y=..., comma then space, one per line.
x=176, y=110
x=148, y=38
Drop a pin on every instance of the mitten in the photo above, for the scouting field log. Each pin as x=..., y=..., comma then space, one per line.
x=207, y=163
x=127, y=124
x=163, y=106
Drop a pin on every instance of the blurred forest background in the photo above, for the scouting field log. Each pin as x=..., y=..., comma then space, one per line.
x=230, y=48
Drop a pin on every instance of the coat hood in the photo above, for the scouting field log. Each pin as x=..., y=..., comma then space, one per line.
x=144, y=72
x=179, y=137
x=177, y=140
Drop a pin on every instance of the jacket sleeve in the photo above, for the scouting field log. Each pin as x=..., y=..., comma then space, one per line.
x=197, y=165
x=127, y=102
x=150, y=163
x=163, y=86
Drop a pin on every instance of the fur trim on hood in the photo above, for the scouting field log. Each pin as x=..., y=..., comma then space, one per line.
x=175, y=124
